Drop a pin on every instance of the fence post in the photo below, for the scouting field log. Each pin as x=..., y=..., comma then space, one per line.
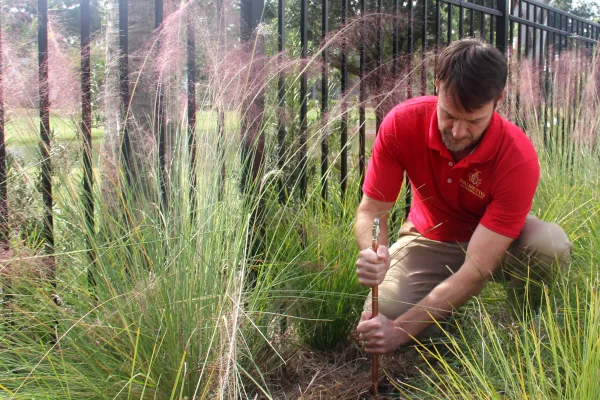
x=159, y=112
x=302, y=137
x=86, y=132
x=46, y=164
x=502, y=25
x=191, y=107
x=253, y=107
x=252, y=136
x=125, y=156
x=4, y=229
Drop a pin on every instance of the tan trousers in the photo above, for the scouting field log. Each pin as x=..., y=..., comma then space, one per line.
x=418, y=265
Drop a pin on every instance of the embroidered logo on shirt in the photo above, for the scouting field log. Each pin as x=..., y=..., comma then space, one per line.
x=475, y=178
x=474, y=181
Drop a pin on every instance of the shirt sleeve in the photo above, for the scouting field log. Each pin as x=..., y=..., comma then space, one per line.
x=512, y=199
x=384, y=176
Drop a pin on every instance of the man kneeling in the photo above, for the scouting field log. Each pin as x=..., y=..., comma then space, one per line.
x=473, y=176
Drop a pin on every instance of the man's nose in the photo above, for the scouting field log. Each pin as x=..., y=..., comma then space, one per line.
x=460, y=130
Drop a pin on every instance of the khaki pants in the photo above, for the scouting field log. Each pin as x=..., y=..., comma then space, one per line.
x=418, y=265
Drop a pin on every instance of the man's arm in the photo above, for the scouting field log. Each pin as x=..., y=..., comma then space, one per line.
x=484, y=253
x=371, y=267
x=368, y=210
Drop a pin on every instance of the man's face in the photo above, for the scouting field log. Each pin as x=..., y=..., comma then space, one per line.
x=461, y=130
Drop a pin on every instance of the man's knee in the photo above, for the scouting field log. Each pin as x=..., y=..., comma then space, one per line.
x=545, y=241
x=389, y=303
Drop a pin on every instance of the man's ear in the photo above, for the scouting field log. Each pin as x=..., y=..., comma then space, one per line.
x=500, y=97
x=437, y=86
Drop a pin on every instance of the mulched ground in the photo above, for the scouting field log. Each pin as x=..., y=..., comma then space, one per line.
x=344, y=374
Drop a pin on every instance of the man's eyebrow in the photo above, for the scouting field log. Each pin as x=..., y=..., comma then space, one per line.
x=476, y=119
x=447, y=113
x=451, y=116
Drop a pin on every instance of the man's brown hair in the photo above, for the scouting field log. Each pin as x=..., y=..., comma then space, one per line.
x=472, y=71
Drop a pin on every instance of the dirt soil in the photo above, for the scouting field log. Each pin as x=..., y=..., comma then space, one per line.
x=344, y=374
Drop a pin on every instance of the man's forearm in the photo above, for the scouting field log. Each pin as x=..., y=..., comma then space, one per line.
x=364, y=223
x=447, y=296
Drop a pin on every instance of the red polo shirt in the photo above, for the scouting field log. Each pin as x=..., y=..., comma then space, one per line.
x=494, y=185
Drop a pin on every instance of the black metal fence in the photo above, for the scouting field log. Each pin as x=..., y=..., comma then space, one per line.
x=521, y=29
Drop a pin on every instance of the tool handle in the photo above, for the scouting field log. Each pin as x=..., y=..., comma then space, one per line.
x=375, y=312
x=375, y=309
x=375, y=296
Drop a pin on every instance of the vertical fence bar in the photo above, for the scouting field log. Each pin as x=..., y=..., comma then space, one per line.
x=409, y=54
x=541, y=51
x=4, y=228
x=510, y=52
x=46, y=163
x=86, y=130
x=378, y=114
x=580, y=68
x=191, y=108
x=534, y=34
x=303, y=97
x=588, y=29
x=527, y=14
x=519, y=32
x=449, y=32
x=564, y=111
x=86, y=113
x=570, y=104
x=511, y=36
x=251, y=131
x=482, y=22
x=409, y=92
x=471, y=22
x=502, y=26
x=253, y=140
x=518, y=80
x=546, y=69
x=324, y=95
x=344, y=116
x=395, y=42
x=362, y=92
x=492, y=5
x=461, y=21
x=221, y=134
x=560, y=24
x=438, y=33
x=124, y=86
x=552, y=65
x=362, y=98
x=159, y=112
x=424, y=50
x=281, y=106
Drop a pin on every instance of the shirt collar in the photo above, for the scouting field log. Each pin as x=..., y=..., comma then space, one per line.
x=485, y=150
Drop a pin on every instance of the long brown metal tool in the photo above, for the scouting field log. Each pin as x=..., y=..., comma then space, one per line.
x=375, y=308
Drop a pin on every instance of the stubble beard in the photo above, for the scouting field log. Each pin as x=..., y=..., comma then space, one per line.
x=454, y=146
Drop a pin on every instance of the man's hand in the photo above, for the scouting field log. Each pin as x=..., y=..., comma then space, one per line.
x=380, y=335
x=371, y=267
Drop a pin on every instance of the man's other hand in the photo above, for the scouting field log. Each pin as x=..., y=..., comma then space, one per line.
x=371, y=267
x=380, y=335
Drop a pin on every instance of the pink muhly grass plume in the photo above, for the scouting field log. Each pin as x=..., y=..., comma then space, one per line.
x=63, y=78
x=19, y=74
